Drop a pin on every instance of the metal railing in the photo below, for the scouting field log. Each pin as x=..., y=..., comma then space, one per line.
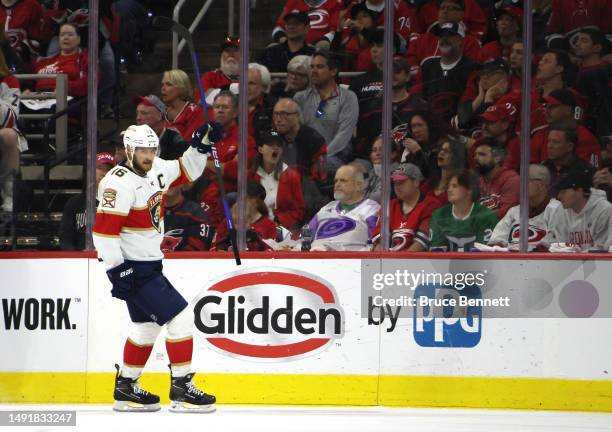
x=61, y=102
x=177, y=46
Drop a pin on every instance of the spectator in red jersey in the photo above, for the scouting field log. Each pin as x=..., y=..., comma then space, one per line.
x=260, y=226
x=323, y=16
x=570, y=15
x=554, y=71
x=225, y=110
x=259, y=99
x=409, y=213
x=499, y=186
x=181, y=114
x=150, y=111
x=508, y=25
x=26, y=27
x=431, y=11
x=71, y=60
x=298, y=78
x=484, y=89
x=562, y=141
x=442, y=80
x=594, y=79
x=227, y=73
x=561, y=106
x=427, y=44
x=12, y=142
x=452, y=160
x=498, y=127
x=277, y=56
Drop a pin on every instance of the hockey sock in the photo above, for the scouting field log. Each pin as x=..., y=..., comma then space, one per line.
x=179, y=353
x=134, y=358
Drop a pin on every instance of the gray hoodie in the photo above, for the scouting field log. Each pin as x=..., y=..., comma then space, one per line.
x=587, y=229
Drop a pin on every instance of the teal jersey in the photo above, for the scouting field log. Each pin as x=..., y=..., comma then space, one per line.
x=447, y=233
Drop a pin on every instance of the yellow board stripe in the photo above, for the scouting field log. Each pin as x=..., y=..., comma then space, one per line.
x=280, y=389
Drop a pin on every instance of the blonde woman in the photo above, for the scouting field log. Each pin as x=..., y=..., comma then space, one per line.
x=181, y=114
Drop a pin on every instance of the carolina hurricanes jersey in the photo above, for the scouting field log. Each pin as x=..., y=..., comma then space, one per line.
x=323, y=18
x=25, y=24
x=186, y=121
x=74, y=65
x=408, y=228
x=130, y=216
x=338, y=229
x=507, y=231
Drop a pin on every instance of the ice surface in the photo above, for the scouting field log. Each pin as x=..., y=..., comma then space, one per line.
x=230, y=418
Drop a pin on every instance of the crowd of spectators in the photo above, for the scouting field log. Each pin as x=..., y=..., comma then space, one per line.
x=314, y=135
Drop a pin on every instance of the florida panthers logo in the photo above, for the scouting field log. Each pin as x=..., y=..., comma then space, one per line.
x=154, y=204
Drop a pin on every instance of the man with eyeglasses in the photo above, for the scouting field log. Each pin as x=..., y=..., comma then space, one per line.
x=304, y=148
x=469, y=11
x=276, y=57
x=541, y=209
x=329, y=109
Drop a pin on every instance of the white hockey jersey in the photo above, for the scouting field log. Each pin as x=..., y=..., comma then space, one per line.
x=587, y=229
x=130, y=217
x=507, y=230
x=336, y=229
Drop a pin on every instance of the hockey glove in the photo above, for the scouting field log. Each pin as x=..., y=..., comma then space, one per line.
x=205, y=137
x=122, y=278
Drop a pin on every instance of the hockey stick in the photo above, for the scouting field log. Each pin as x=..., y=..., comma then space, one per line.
x=165, y=23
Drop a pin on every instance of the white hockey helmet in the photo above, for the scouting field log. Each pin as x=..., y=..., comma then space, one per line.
x=140, y=136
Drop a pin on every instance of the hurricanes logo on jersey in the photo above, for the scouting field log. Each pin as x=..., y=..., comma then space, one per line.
x=154, y=205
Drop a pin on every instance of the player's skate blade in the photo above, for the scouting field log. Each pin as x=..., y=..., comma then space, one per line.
x=186, y=407
x=128, y=406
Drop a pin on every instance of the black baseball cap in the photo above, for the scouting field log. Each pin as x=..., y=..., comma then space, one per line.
x=575, y=179
x=495, y=64
x=561, y=97
x=448, y=27
x=299, y=16
x=360, y=7
x=271, y=137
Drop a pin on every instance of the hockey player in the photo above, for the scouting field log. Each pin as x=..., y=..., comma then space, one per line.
x=127, y=235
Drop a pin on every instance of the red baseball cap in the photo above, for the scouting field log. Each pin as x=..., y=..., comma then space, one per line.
x=150, y=100
x=503, y=111
x=513, y=11
x=104, y=158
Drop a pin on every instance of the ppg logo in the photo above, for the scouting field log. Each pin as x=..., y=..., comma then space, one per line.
x=441, y=321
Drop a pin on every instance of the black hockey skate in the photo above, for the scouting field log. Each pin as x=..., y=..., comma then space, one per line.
x=186, y=397
x=129, y=397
